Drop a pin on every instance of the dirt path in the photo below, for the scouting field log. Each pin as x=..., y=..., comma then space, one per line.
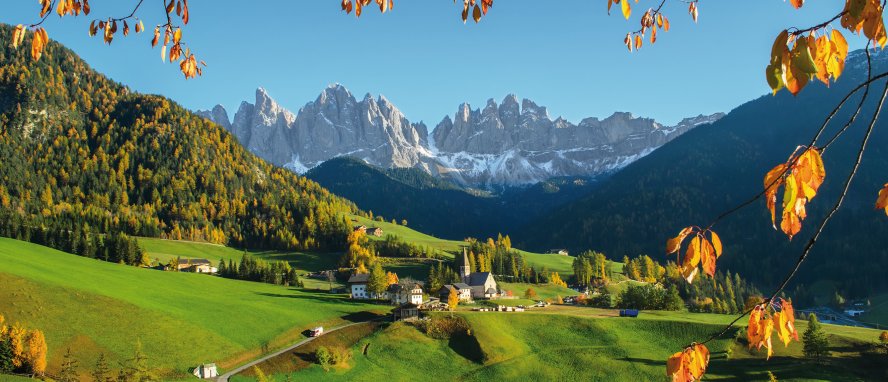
x=226, y=376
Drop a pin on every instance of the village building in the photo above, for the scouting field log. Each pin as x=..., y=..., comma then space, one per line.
x=405, y=294
x=405, y=312
x=474, y=285
x=196, y=266
x=361, y=228
x=375, y=231
x=358, y=286
x=559, y=251
x=462, y=290
x=205, y=371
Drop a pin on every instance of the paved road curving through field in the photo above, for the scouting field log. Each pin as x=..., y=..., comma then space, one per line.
x=226, y=376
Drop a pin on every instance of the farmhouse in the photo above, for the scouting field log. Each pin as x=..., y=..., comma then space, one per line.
x=405, y=294
x=196, y=266
x=358, y=285
x=559, y=251
x=405, y=312
x=361, y=228
x=375, y=231
x=207, y=370
x=462, y=290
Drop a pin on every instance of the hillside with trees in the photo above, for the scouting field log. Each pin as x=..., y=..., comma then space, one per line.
x=715, y=167
x=115, y=161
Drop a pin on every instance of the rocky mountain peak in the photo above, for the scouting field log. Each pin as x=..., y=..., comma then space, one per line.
x=510, y=143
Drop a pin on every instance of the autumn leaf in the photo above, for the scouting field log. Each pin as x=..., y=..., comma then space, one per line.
x=673, y=245
x=627, y=9
x=716, y=243
x=688, y=365
x=707, y=257
x=882, y=200
x=692, y=9
x=797, y=3
x=773, y=181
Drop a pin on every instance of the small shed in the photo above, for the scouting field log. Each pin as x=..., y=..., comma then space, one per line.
x=206, y=371
x=405, y=312
x=629, y=313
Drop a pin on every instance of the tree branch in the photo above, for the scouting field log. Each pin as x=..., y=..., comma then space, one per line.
x=807, y=250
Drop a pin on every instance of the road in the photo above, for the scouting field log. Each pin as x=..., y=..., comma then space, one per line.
x=226, y=376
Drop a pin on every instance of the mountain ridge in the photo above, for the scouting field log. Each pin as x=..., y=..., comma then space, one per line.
x=504, y=144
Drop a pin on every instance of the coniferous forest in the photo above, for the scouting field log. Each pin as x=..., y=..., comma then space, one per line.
x=114, y=161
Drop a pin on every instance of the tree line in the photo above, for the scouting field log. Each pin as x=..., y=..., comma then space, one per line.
x=258, y=270
x=115, y=247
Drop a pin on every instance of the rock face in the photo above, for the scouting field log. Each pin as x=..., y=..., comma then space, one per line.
x=509, y=144
x=335, y=124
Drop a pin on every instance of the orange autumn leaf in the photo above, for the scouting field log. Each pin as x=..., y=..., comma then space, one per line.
x=674, y=244
x=882, y=200
x=688, y=365
x=707, y=257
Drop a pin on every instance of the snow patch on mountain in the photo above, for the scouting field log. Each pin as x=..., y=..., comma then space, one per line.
x=506, y=144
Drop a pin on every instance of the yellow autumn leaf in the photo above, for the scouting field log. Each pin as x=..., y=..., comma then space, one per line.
x=627, y=9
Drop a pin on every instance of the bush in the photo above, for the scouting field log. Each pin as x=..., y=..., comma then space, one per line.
x=443, y=327
x=324, y=357
x=328, y=357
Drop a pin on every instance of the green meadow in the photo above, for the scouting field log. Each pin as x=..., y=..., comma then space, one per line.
x=560, y=344
x=181, y=319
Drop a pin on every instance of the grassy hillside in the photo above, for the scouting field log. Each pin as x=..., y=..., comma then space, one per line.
x=164, y=250
x=556, y=263
x=181, y=319
x=583, y=344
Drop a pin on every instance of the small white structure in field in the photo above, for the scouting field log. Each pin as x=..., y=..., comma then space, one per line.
x=205, y=371
x=317, y=331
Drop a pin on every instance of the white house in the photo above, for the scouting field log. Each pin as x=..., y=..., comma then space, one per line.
x=462, y=290
x=358, y=285
x=405, y=294
x=205, y=371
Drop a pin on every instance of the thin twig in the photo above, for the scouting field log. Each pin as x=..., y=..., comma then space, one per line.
x=819, y=132
x=807, y=250
x=838, y=204
x=133, y=13
x=869, y=74
x=797, y=32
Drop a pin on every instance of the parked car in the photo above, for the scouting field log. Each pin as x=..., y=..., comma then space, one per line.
x=317, y=331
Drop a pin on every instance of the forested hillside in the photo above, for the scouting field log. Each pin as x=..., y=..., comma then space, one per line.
x=82, y=153
x=694, y=178
x=437, y=207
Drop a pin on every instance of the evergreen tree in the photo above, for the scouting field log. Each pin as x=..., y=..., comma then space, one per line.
x=816, y=343
x=69, y=368
x=6, y=356
x=101, y=372
x=136, y=368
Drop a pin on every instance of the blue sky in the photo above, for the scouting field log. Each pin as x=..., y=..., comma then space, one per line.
x=423, y=59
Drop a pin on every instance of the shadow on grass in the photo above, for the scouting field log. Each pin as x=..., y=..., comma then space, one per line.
x=467, y=346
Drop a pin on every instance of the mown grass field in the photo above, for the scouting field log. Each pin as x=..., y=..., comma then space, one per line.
x=579, y=344
x=181, y=319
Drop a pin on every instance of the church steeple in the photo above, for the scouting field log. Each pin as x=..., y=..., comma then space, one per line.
x=465, y=270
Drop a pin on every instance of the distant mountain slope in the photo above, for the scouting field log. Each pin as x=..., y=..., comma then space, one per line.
x=499, y=146
x=704, y=172
x=80, y=152
x=437, y=207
